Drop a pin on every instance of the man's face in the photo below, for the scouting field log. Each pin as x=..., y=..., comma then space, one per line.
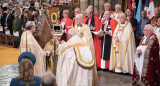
x=11, y=8
x=156, y=11
x=8, y=11
x=77, y=11
x=128, y=12
x=89, y=15
x=122, y=19
x=158, y=22
x=146, y=31
x=106, y=7
x=65, y=15
x=78, y=20
x=57, y=37
x=143, y=15
x=107, y=15
x=117, y=9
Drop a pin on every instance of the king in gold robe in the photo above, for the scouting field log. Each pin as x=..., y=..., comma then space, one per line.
x=123, y=51
x=28, y=42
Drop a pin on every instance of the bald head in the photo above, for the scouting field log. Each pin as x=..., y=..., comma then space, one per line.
x=48, y=79
x=122, y=18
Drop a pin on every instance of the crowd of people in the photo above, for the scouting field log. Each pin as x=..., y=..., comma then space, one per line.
x=112, y=41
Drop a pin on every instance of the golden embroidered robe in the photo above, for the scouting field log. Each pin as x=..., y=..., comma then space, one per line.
x=123, y=52
x=85, y=31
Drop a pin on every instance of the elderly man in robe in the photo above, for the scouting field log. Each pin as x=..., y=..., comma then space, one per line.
x=92, y=21
x=77, y=10
x=91, y=7
x=147, y=63
x=107, y=7
x=85, y=31
x=123, y=47
x=29, y=43
x=117, y=12
x=75, y=62
x=107, y=25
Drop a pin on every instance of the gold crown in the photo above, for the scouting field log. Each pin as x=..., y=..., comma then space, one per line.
x=57, y=29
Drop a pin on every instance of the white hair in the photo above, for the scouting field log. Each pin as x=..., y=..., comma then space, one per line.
x=107, y=3
x=149, y=27
x=80, y=15
x=118, y=5
x=89, y=10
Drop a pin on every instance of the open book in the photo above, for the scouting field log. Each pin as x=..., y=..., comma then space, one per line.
x=99, y=33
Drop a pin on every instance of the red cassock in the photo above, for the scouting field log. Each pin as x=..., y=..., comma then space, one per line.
x=68, y=23
x=96, y=38
x=95, y=14
x=113, y=24
x=151, y=65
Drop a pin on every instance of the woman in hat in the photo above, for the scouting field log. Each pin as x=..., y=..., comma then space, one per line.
x=26, y=71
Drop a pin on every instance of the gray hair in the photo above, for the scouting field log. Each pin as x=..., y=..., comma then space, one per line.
x=118, y=5
x=89, y=10
x=149, y=27
x=29, y=25
x=107, y=3
x=48, y=79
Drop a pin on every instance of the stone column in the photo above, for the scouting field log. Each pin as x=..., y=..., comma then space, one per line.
x=96, y=6
x=101, y=5
x=83, y=6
